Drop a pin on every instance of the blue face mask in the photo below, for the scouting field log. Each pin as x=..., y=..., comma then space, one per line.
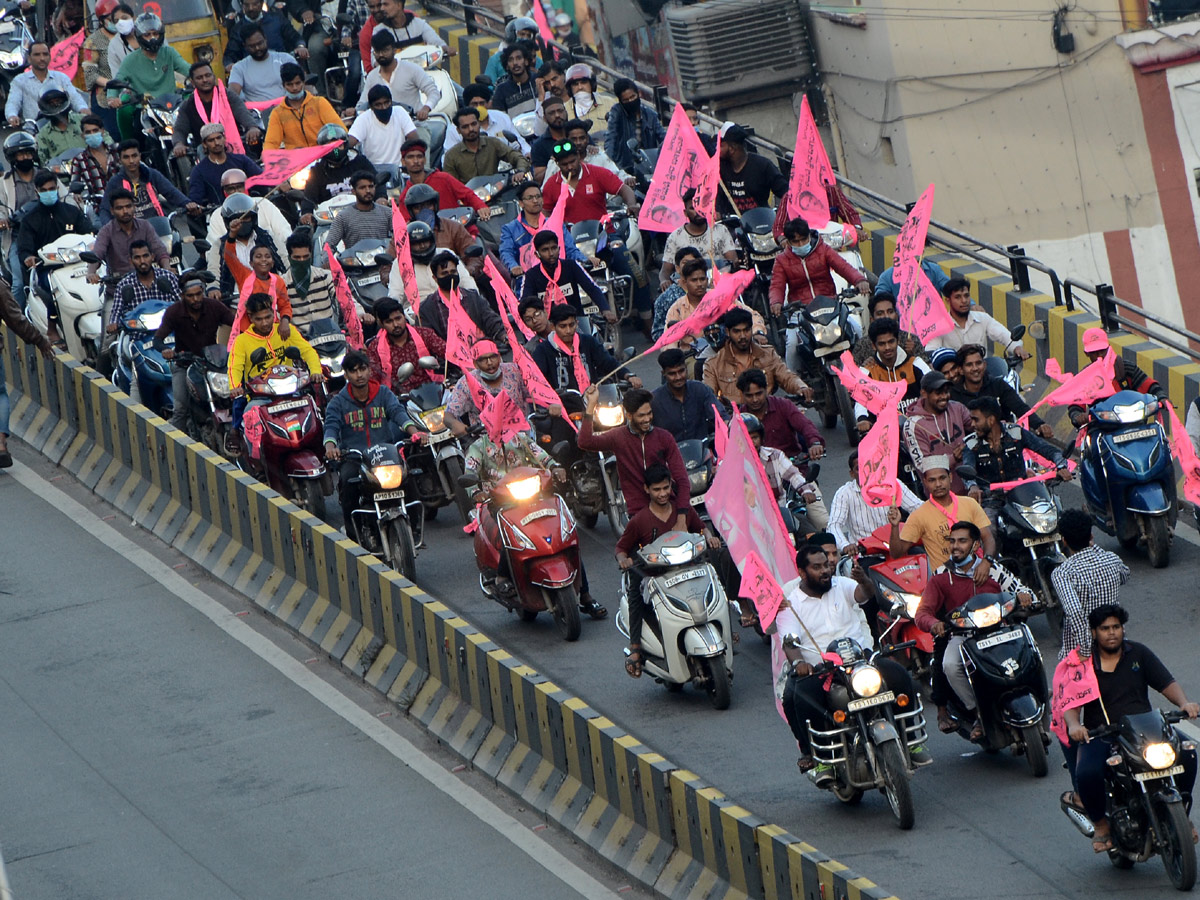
x=428, y=216
x=94, y=140
x=299, y=95
x=48, y=198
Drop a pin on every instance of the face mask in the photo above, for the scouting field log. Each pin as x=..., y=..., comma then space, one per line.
x=428, y=216
x=448, y=282
x=48, y=198
x=301, y=269
x=125, y=26
x=383, y=115
x=486, y=377
x=299, y=95
x=110, y=26
x=94, y=140
x=246, y=229
x=805, y=250
x=631, y=109
x=24, y=165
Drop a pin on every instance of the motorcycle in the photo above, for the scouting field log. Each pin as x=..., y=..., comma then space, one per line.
x=872, y=732
x=754, y=232
x=701, y=465
x=1007, y=367
x=500, y=194
x=330, y=343
x=15, y=41
x=384, y=521
x=537, y=540
x=291, y=451
x=339, y=37
x=1145, y=812
x=1004, y=666
x=826, y=331
x=361, y=264
x=591, y=237
x=429, y=57
x=210, y=407
x=436, y=467
x=137, y=362
x=323, y=214
x=899, y=584
x=80, y=304
x=685, y=632
x=1128, y=475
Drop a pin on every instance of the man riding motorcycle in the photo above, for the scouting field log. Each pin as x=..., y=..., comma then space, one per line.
x=1128, y=376
x=333, y=175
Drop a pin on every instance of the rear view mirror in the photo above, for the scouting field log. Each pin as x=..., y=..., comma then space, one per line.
x=293, y=354
x=468, y=480
x=202, y=246
x=89, y=257
x=1018, y=332
x=163, y=283
x=77, y=187
x=626, y=354
x=967, y=473
x=428, y=362
x=404, y=373
x=259, y=356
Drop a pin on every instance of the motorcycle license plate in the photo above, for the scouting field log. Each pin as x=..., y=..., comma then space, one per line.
x=286, y=405
x=326, y=339
x=369, y=279
x=836, y=348
x=497, y=210
x=592, y=310
x=1002, y=638
x=682, y=577
x=389, y=495
x=538, y=514
x=867, y=702
x=1135, y=435
x=1162, y=773
x=1041, y=539
x=697, y=500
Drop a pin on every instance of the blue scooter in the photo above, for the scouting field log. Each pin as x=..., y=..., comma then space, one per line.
x=1128, y=475
x=138, y=361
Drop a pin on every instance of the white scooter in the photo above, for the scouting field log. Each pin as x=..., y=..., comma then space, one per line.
x=685, y=632
x=80, y=304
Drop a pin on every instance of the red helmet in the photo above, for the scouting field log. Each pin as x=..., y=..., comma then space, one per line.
x=106, y=8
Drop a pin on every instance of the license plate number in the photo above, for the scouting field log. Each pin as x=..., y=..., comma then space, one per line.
x=1162, y=773
x=1003, y=638
x=497, y=210
x=867, y=702
x=696, y=501
x=389, y=495
x=1135, y=435
x=369, y=279
x=1042, y=539
x=286, y=405
x=326, y=339
x=682, y=577
x=538, y=514
x=592, y=310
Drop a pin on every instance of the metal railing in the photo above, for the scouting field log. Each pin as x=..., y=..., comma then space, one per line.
x=1011, y=260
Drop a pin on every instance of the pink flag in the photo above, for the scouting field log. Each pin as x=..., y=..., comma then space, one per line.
x=280, y=165
x=707, y=183
x=711, y=307
x=681, y=152
x=811, y=172
x=915, y=296
x=543, y=24
x=910, y=243
x=222, y=113
x=1094, y=383
x=922, y=310
x=874, y=395
x=1074, y=685
x=341, y=290
x=263, y=105
x=505, y=295
x=502, y=418
x=759, y=585
x=408, y=274
x=461, y=333
x=536, y=386
x=64, y=56
x=554, y=224
x=878, y=458
x=1054, y=371
x=1181, y=446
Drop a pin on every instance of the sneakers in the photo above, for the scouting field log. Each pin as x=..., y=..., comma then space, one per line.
x=821, y=775
x=919, y=756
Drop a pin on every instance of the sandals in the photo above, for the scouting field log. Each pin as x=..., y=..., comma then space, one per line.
x=806, y=764
x=1102, y=844
x=1071, y=799
x=633, y=662
x=946, y=725
x=977, y=731
x=588, y=605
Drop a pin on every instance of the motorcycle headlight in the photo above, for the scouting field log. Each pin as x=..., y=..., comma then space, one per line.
x=434, y=419
x=1159, y=756
x=62, y=257
x=829, y=333
x=986, y=617
x=218, y=383
x=609, y=416
x=150, y=321
x=12, y=59
x=1042, y=517
x=866, y=681
x=286, y=385
x=762, y=243
x=1132, y=412
x=299, y=180
x=388, y=477
x=907, y=603
x=335, y=363
x=525, y=488
x=587, y=248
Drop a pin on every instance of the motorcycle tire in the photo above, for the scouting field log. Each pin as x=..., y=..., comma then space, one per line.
x=528, y=615
x=1179, y=854
x=1119, y=860
x=896, y=786
x=454, y=471
x=402, y=551
x=311, y=497
x=618, y=518
x=588, y=520
x=1158, y=541
x=1035, y=751
x=563, y=604
x=716, y=681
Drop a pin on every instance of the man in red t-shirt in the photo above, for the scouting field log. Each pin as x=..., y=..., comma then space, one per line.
x=589, y=188
x=451, y=191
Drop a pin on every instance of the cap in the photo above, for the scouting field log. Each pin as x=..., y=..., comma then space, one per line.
x=483, y=348
x=940, y=357
x=939, y=461
x=412, y=143
x=933, y=381
x=735, y=134
x=233, y=176
x=1094, y=339
x=207, y=131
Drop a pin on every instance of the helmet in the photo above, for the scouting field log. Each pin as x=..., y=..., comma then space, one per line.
x=19, y=140
x=419, y=233
x=580, y=72
x=54, y=103
x=562, y=20
x=327, y=135
x=753, y=425
x=106, y=8
x=144, y=24
x=236, y=206
x=418, y=194
x=520, y=23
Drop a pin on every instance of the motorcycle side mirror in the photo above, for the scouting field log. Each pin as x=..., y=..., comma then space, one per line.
x=468, y=480
x=204, y=275
x=344, y=19
x=404, y=373
x=293, y=354
x=626, y=354
x=382, y=259
x=201, y=246
x=510, y=136
x=163, y=283
x=312, y=79
x=294, y=195
x=381, y=179
x=814, y=471
x=127, y=294
x=967, y=473
x=89, y=257
x=1018, y=332
x=632, y=143
x=77, y=187
x=259, y=356
x=560, y=448
x=428, y=362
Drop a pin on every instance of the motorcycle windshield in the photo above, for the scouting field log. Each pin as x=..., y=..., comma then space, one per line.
x=760, y=220
x=363, y=253
x=426, y=397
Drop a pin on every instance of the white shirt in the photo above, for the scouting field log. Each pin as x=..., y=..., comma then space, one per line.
x=270, y=219
x=831, y=616
x=722, y=242
x=980, y=329
x=407, y=83
x=498, y=122
x=381, y=142
x=851, y=519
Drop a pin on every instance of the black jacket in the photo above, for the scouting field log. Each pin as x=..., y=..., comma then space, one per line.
x=999, y=389
x=433, y=314
x=1006, y=463
x=42, y=224
x=573, y=281
x=325, y=175
x=560, y=371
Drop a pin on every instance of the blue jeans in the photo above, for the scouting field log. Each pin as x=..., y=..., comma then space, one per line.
x=5, y=403
x=17, y=269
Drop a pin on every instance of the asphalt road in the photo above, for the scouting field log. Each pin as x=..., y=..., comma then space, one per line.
x=158, y=741
x=981, y=820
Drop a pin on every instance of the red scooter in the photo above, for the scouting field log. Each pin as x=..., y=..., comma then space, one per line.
x=527, y=531
x=290, y=454
x=899, y=584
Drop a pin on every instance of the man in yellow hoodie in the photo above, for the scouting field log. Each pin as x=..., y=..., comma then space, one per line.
x=263, y=333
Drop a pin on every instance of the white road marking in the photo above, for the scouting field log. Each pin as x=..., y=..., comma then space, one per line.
x=507, y=827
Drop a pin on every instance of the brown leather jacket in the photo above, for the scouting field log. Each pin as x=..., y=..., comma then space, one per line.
x=11, y=315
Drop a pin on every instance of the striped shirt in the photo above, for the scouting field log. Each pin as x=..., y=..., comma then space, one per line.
x=315, y=303
x=851, y=519
x=353, y=225
x=1087, y=579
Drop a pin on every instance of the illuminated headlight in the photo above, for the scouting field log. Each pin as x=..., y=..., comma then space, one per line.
x=675, y=556
x=1134, y=412
x=62, y=257
x=525, y=488
x=587, y=248
x=387, y=477
x=435, y=420
x=218, y=383
x=609, y=416
x=150, y=321
x=907, y=603
x=762, y=243
x=866, y=681
x=829, y=333
x=299, y=180
x=698, y=481
x=287, y=385
x=335, y=364
x=986, y=617
x=1043, y=517
x=1159, y=756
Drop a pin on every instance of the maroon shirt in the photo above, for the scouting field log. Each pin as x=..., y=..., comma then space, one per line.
x=636, y=453
x=646, y=528
x=781, y=421
x=945, y=593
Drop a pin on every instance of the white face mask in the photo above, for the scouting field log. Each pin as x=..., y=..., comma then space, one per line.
x=125, y=26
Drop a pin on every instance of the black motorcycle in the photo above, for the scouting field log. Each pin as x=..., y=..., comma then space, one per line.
x=825, y=326
x=755, y=233
x=1145, y=811
x=1004, y=666
x=210, y=407
x=701, y=464
x=437, y=466
x=385, y=521
x=361, y=264
x=330, y=343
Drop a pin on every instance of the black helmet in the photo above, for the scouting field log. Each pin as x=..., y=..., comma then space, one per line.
x=327, y=135
x=418, y=194
x=19, y=140
x=753, y=425
x=54, y=103
x=236, y=206
x=144, y=24
x=420, y=233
